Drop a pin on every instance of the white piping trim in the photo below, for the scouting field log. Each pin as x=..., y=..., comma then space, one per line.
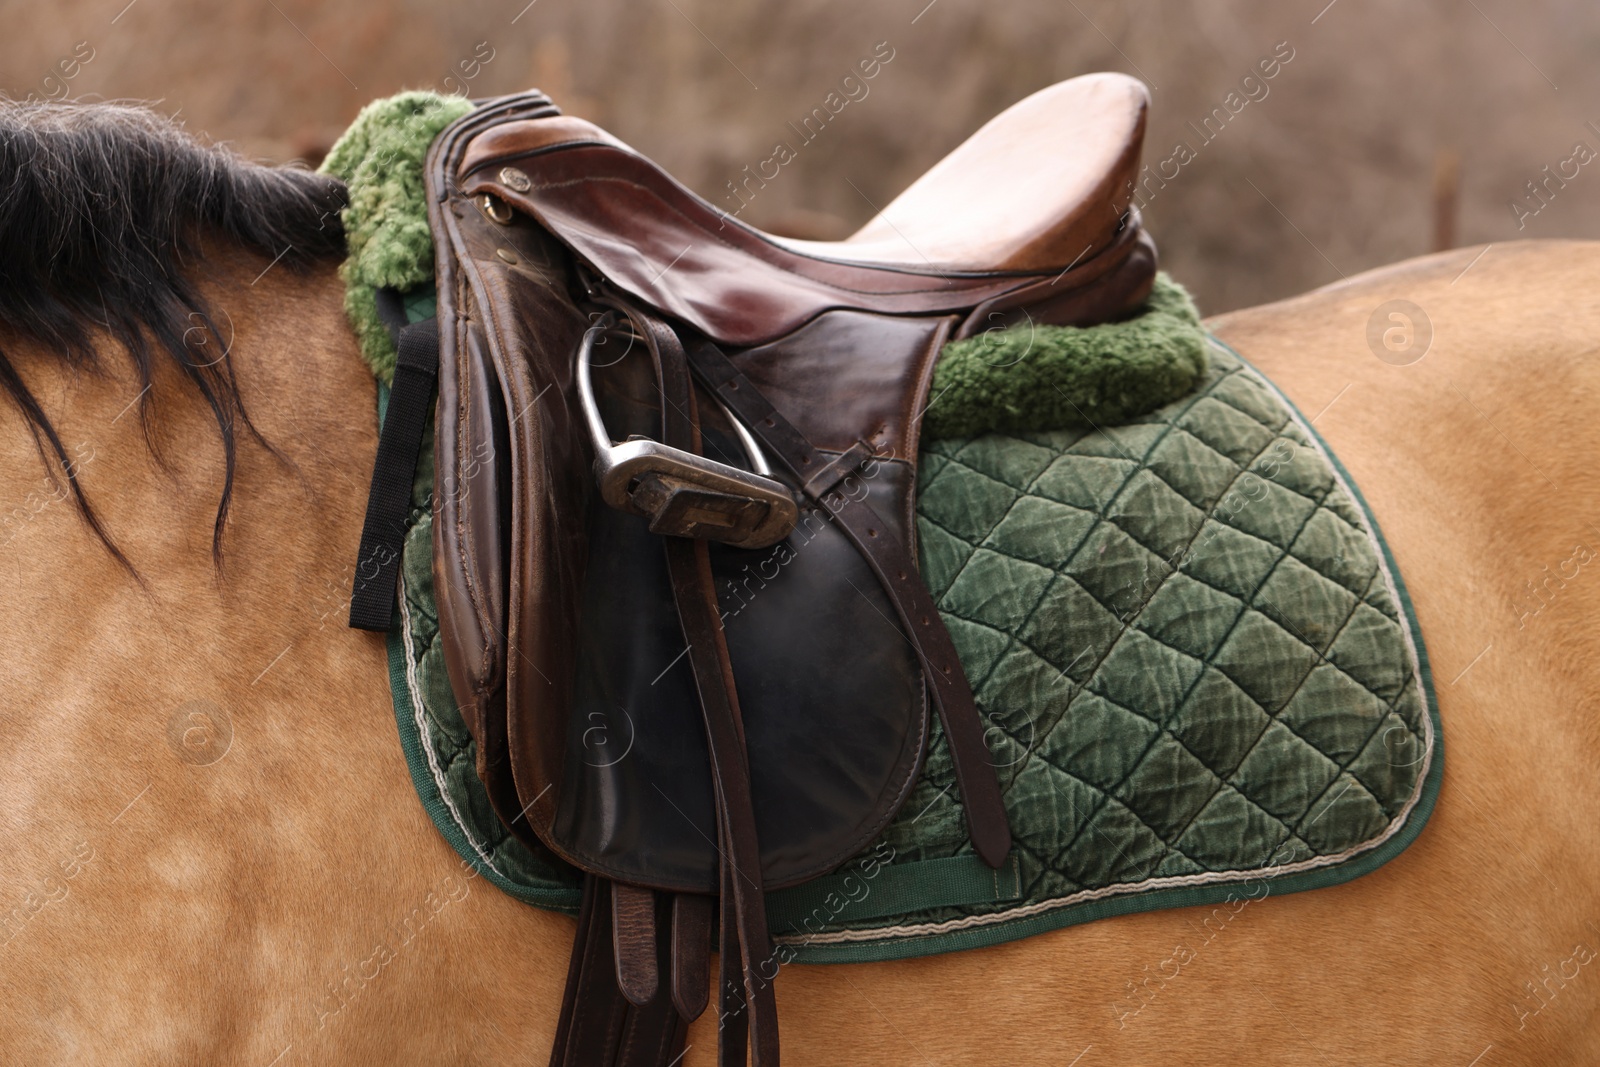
x=414, y=687
x=895, y=933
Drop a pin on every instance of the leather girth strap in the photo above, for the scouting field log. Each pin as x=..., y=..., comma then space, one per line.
x=599, y=1027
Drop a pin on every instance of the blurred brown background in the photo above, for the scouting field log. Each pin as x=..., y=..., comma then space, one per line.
x=1346, y=163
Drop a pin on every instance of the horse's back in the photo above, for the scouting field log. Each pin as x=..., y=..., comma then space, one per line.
x=217, y=856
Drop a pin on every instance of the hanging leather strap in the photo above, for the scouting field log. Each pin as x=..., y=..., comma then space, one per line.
x=733, y=1024
x=691, y=953
x=892, y=563
x=744, y=912
x=617, y=1010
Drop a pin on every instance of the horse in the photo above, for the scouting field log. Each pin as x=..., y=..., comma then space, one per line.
x=215, y=855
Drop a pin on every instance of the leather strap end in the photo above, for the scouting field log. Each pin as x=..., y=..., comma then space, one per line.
x=991, y=837
x=733, y=1021
x=836, y=471
x=691, y=954
x=976, y=779
x=633, y=928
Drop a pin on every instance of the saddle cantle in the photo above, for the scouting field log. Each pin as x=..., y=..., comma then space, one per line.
x=673, y=550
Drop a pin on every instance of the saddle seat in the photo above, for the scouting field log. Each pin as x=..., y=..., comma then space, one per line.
x=676, y=463
x=1035, y=188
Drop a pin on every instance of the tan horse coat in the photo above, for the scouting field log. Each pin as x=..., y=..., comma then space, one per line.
x=290, y=903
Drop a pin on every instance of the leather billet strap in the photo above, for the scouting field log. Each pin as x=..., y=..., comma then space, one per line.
x=690, y=967
x=636, y=935
x=892, y=563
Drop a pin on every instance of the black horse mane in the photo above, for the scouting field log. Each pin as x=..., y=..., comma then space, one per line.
x=102, y=210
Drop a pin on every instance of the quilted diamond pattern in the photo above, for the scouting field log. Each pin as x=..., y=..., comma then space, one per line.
x=1188, y=645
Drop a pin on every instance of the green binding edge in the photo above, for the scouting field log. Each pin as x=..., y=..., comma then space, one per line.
x=960, y=880
x=405, y=712
x=562, y=900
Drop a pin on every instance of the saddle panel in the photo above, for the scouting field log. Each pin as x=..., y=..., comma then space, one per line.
x=507, y=557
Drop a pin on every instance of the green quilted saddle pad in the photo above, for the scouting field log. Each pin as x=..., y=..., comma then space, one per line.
x=1201, y=674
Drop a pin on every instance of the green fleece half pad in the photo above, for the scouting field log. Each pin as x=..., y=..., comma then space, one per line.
x=1030, y=378
x=1022, y=379
x=1201, y=674
x=379, y=158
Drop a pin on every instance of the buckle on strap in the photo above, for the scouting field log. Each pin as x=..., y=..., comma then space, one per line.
x=680, y=493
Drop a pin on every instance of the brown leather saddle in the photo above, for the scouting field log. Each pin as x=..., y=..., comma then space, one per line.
x=675, y=463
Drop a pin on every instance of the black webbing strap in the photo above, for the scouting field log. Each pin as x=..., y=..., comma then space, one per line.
x=410, y=396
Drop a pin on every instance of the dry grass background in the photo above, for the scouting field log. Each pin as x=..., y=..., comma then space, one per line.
x=1330, y=174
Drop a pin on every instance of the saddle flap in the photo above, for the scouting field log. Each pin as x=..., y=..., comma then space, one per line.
x=589, y=735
